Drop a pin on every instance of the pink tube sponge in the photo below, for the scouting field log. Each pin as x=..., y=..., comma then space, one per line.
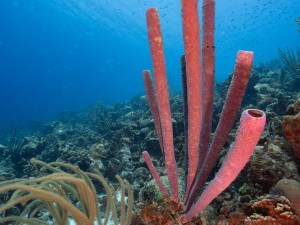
x=162, y=96
x=252, y=123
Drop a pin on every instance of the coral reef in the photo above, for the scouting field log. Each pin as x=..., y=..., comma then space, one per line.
x=63, y=195
x=92, y=146
x=267, y=166
x=291, y=127
x=111, y=137
x=291, y=188
x=291, y=61
x=275, y=211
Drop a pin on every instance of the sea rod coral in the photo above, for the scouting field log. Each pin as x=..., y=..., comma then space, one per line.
x=198, y=83
x=53, y=196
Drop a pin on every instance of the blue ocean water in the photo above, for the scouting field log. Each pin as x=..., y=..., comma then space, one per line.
x=66, y=55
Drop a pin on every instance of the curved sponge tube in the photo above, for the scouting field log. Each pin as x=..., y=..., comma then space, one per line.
x=252, y=123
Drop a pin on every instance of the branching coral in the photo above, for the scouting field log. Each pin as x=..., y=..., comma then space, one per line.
x=56, y=192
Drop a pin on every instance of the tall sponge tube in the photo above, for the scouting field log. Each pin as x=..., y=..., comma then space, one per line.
x=252, y=123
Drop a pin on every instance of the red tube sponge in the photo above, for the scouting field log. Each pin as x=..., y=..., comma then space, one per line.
x=252, y=123
x=162, y=96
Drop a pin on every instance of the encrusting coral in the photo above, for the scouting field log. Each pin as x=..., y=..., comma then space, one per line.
x=291, y=188
x=291, y=128
x=275, y=211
